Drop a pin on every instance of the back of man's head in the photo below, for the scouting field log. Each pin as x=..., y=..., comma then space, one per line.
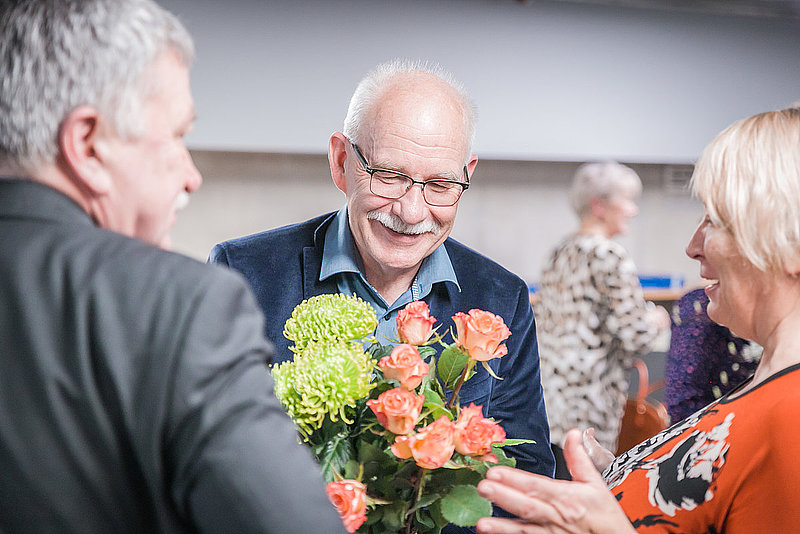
x=56, y=55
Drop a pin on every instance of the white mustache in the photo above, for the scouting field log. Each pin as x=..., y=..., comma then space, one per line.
x=396, y=224
x=181, y=201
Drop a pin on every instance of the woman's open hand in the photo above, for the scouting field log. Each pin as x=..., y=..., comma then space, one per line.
x=544, y=505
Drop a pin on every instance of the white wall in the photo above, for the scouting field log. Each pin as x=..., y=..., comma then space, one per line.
x=552, y=81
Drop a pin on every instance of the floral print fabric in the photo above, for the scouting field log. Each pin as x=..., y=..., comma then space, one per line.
x=591, y=320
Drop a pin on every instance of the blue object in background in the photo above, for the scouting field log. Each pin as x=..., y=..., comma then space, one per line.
x=647, y=282
x=661, y=282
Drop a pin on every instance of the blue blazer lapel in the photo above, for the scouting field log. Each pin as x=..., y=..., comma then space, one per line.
x=312, y=264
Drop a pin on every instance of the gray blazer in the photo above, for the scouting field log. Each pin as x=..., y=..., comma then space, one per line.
x=134, y=395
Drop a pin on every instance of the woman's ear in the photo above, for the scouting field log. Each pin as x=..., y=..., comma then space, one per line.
x=597, y=207
x=792, y=265
x=337, y=158
x=78, y=139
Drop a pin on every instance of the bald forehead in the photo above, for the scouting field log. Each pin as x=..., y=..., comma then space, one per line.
x=418, y=104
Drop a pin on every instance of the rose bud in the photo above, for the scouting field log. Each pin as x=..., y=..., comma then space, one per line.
x=481, y=334
x=397, y=409
x=405, y=365
x=414, y=325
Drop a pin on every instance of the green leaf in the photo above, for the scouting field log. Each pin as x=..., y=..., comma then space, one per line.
x=502, y=459
x=378, y=351
x=426, y=351
x=424, y=518
x=374, y=515
x=463, y=506
x=511, y=442
x=351, y=470
x=393, y=515
x=334, y=456
x=443, y=479
x=436, y=514
x=426, y=500
x=451, y=364
x=367, y=452
x=489, y=370
x=435, y=405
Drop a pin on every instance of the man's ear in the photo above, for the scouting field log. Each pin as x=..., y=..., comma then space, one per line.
x=473, y=162
x=78, y=140
x=337, y=157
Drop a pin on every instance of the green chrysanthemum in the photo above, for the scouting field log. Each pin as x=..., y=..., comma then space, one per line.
x=333, y=319
x=324, y=380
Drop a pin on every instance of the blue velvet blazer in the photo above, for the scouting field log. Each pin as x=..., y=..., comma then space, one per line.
x=283, y=267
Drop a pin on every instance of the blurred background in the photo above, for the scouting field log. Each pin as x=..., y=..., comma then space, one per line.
x=647, y=83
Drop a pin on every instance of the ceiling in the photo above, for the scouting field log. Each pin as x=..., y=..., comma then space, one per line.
x=745, y=8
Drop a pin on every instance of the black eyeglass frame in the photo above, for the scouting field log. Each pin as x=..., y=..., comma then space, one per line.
x=371, y=171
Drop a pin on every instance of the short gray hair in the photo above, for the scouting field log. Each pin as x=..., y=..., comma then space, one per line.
x=370, y=90
x=748, y=177
x=56, y=55
x=601, y=180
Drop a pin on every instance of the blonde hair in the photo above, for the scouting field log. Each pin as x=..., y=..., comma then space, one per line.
x=748, y=177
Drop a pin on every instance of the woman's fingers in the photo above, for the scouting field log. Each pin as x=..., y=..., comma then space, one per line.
x=505, y=492
x=600, y=456
x=499, y=525
x=581, y=467
x=533, y=498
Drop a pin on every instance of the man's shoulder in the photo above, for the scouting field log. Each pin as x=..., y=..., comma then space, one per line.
x=126, y=261
x=292, y=236
x=471, y=266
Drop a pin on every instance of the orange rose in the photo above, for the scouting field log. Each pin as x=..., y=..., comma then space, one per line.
x=433, y=445
x=474, y=434
x=401, y=447
x=481, y=334
x=349, y=498
x=414, y=325
x=405, y=365
x=397, y=409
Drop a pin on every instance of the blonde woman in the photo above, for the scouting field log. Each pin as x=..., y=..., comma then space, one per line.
x=732, y=467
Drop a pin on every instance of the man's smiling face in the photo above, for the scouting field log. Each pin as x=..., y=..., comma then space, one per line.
x=416, y=129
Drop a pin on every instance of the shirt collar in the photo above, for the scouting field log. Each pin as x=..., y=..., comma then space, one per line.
x=339, y=255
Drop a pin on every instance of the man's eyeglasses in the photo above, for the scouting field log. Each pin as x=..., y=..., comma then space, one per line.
x=391, y=184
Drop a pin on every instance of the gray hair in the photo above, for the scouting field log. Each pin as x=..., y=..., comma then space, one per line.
x=601, y=180
x=56, y=55
x=370, y=90
x=748, y=177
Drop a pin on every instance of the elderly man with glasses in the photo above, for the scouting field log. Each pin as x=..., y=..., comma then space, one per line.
x=408, y=125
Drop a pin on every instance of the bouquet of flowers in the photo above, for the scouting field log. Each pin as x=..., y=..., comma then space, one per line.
x=398, y=452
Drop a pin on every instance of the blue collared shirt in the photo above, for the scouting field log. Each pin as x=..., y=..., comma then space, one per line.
x=340, y=258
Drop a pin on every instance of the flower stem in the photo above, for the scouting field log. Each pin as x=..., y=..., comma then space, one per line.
x=420, y=483
x=461, y=380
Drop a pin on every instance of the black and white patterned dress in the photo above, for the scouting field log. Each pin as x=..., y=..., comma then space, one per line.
x=591, y=320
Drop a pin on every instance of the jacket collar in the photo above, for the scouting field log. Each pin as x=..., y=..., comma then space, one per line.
x=26, y=198
x=312, y=262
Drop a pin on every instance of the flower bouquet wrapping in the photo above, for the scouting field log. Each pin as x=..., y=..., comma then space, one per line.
x=397, y=451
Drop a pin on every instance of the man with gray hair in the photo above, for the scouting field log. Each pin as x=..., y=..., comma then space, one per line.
x=134, y=395
x=408, y=125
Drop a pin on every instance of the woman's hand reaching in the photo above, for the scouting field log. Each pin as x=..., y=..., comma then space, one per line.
x=547, y=506
x=599, y=455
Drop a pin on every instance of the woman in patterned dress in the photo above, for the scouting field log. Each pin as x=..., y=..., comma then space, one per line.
x=591, y=315
x=732, y=467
